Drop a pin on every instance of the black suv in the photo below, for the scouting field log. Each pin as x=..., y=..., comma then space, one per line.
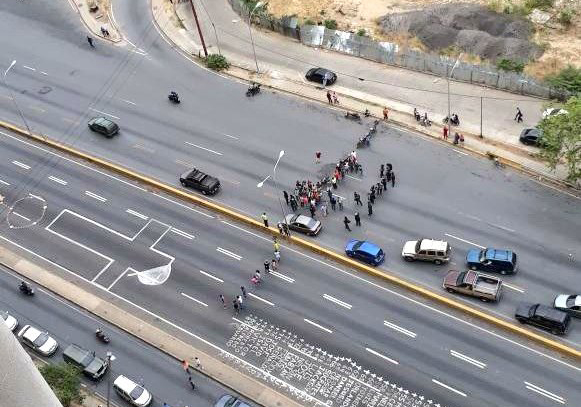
x=201, y=181
x=104, y=126
x=93, y=366
x=547, y=318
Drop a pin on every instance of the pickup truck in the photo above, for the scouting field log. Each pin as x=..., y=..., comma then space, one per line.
x=485, y=287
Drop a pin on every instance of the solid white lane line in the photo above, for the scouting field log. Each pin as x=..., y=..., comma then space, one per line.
x=513, y=287
x=465, y=241
x=302, y=353
x=57, y=180
x=545, y=393
x=399, y=329
x=211, y=276
x=132, y=212
x=261, y=299
x=337, y=301
x=22, y=216
x=465, y=358
x=4, y=182
x=106, y=114
x=282, y=277
x=395, y=362
x=365, y=384
x=228, y=135
x=184, y=206
x=129, y=102
x=228, y=253
x=449, y=388
x=203, y=148
x=184, y=234
x=308, y=321
x=460, y=152
x=21, y=165
x=195, y=300
x=245, y=324
x=44, y=73
x=28, y=67
x=95, y=196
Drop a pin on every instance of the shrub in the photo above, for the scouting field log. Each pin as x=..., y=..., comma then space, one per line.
x=217, y=62
x=568, y=79
x=308, y=21
x=565, y=17
x=540, y=4
x=65, y=381
x=331, y=24
x=361, y=32
x=509, y=65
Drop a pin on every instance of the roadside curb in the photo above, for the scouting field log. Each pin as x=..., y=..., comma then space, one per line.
x=90, y=21
x=181, y=194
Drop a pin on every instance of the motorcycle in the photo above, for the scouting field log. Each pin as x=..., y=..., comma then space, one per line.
x=173, y=97
x=101, y=336
x=455, y=121
x=373, y=128
x=26, y=289
x=253, y=90
x=352, y=116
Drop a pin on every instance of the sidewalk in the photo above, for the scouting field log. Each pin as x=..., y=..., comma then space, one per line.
x=286, y=74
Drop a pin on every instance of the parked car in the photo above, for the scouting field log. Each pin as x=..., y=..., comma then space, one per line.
x=320, y=74
x=201, y=181
x=531, y=136
x=93, y=366
x=492, y=260
x=228, y=400
x=474, y=284
x=553, y=111
x=132, y=392
x=102, y=125
x=9, y=320
x=571, y=304
x=547, y=318
x=303, y=224
x=365, y=251
x=37, y=340
x=436, y=251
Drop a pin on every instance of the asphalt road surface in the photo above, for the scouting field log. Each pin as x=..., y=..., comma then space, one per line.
x=161, y=375
x=320, y=329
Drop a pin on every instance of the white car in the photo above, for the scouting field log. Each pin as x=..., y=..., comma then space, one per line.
x=436, y=251
x=553, y=111
x=132, y=392
x=40, y=342
x=9, y=320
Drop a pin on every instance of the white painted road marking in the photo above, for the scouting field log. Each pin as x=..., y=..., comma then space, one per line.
x=399, y=329
x=308, y=321
x=507, y=229
x=57, y=180
x=449, y=388
x=228, y=135
x=337, y=301
x=365, y=384
x=184, y=206
x=395, y=362
x=95, y=196
x=513, y=287
x=229, y=253
x=465, y=241
x=261, y=299
x=28, y=67
x=465, y=358
x=245, y=324
x=4, y=182
x=132, y=212
x=545, y=393
x=282, y=277
x=184, y=234
x=203, y=148
x=21, y=165
x=195, y=300
x=460, y=152
x=129, y=102
x=106, y=114
x=302, y=353
x=22, y=216
x=211, y=276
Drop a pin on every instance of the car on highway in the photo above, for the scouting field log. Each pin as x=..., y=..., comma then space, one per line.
x=492, y=260
x=102, y=125
x=571, y=304
x=201, y=181
x=303, y=224
x=9, y=320
x=473, y=284
x=553, y=111
x=93, y=366
x=531, y=136
x=321, y=75
x=228, y=400
x=39, y=341
x=435, y=251
x=365, y=251
x=545, y=317
x=132, y=392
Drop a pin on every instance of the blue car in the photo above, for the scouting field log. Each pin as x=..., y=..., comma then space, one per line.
x=365, y=251
x=492, y=260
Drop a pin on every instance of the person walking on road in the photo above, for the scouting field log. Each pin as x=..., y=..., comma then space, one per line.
x=369, y=208
x=346, y=221
x=223, y=300
x=285, y=194
x=357, y=198
x=379, y=189
x=90, y=41
x=191, y=383
x=518, y=116
x=264, y=219
x=267, y=266
x=340, y=203
x=357, y=219
x=275, y=244
x=333, y=202
x=293, y=203
x=318, y=156
x=324, y=210
x=273, y=265
x=236, y=306
x=393, y=179
x=240, y=301
x=313, y=210
x=243, y=289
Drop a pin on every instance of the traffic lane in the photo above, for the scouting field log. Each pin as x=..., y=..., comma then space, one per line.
x=162, y=375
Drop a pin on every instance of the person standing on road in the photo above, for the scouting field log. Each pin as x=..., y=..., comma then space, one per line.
x=329, y=97
x=335, y=98
x=264, y=219
x=240, y=301
x=384, y=183
x=346, y=221
x=267, y=266
x=236, y=306
x=243, y=289
x=445, y=132
x=318, y=156
x=223, y=300
x=324, y=210
x=381, y=169
x=379, y=189
x=340, y=203
x=357, y=219
x=90, y=41
x=275, y=244
x=313, y=210
x=293, y=203
x=333, y=202
x=357, y=198
x=393, y=179
x=385, y=113
x=369, y=208
x=285, y=194
x=191, y=383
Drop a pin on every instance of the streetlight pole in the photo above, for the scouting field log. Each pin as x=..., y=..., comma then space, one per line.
x=110, y=359
x=261, y=184
x=449, y=109
x=259, y=4
x=13, y=98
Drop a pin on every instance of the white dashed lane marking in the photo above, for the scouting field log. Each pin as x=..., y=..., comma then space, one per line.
x=57, y=180
x=399, y=329
x=21, y=165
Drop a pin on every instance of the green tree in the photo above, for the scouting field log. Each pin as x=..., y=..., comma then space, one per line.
x=562, y=139
x=65, y=380
x=568, y=79
x=217, y=62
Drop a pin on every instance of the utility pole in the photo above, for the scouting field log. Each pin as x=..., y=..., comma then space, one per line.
x=199, y=29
